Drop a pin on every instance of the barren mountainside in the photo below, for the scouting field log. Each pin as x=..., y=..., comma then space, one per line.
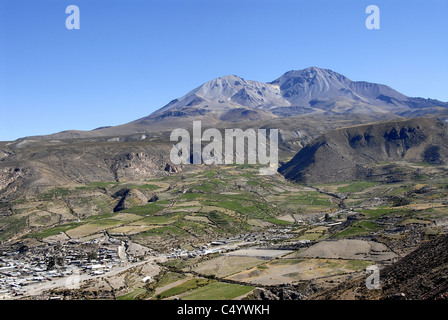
x=32, y=170
x=348, y=153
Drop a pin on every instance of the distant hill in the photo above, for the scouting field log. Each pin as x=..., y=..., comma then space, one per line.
x=347, y=153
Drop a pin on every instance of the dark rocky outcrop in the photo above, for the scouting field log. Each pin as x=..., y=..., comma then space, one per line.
x=129, y=198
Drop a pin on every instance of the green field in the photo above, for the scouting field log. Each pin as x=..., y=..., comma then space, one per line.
x=218, y=291
x=357, y=186
x=11, y=226
x=53, y=231
x=163, y=219
x=279, y=222
x=184, y=287
x=359, y=228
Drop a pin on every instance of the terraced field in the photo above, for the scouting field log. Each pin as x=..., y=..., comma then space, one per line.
x=283, y=271
x=211, y=202
x=198, y=205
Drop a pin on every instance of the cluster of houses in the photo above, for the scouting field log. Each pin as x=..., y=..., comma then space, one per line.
x=22, y=267
x=233, y=243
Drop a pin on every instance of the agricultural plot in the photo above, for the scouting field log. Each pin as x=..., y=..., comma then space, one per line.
x=42, y=218
x=11, y=226
x=294, y=270
x=127, y=217
x=185, y=286
x=198, y=218
x=93, y=228
x=359, y=228
x=378, y=220
x=302, y=202
x=261, y=253
x=218, y=291
x=146, y=210
x=131, y=230
x=349, y=249
x=314, y=234
x=225, y=265
x=159, y=219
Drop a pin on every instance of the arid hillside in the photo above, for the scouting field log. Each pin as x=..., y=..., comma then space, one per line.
x=349, y=153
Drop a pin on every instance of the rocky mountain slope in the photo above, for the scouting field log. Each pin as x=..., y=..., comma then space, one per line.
x=32, y=170
x=299, y=93
x=349, y=153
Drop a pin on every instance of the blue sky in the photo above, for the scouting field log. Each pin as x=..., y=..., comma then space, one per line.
x=131, y=57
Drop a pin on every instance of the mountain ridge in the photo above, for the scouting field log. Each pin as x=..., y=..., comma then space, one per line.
x=307, y=92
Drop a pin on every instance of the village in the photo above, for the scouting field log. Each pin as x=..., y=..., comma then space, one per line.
x=21, y=267
x=65, y=263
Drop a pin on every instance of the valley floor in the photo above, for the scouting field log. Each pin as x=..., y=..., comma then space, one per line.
x=215, y=232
